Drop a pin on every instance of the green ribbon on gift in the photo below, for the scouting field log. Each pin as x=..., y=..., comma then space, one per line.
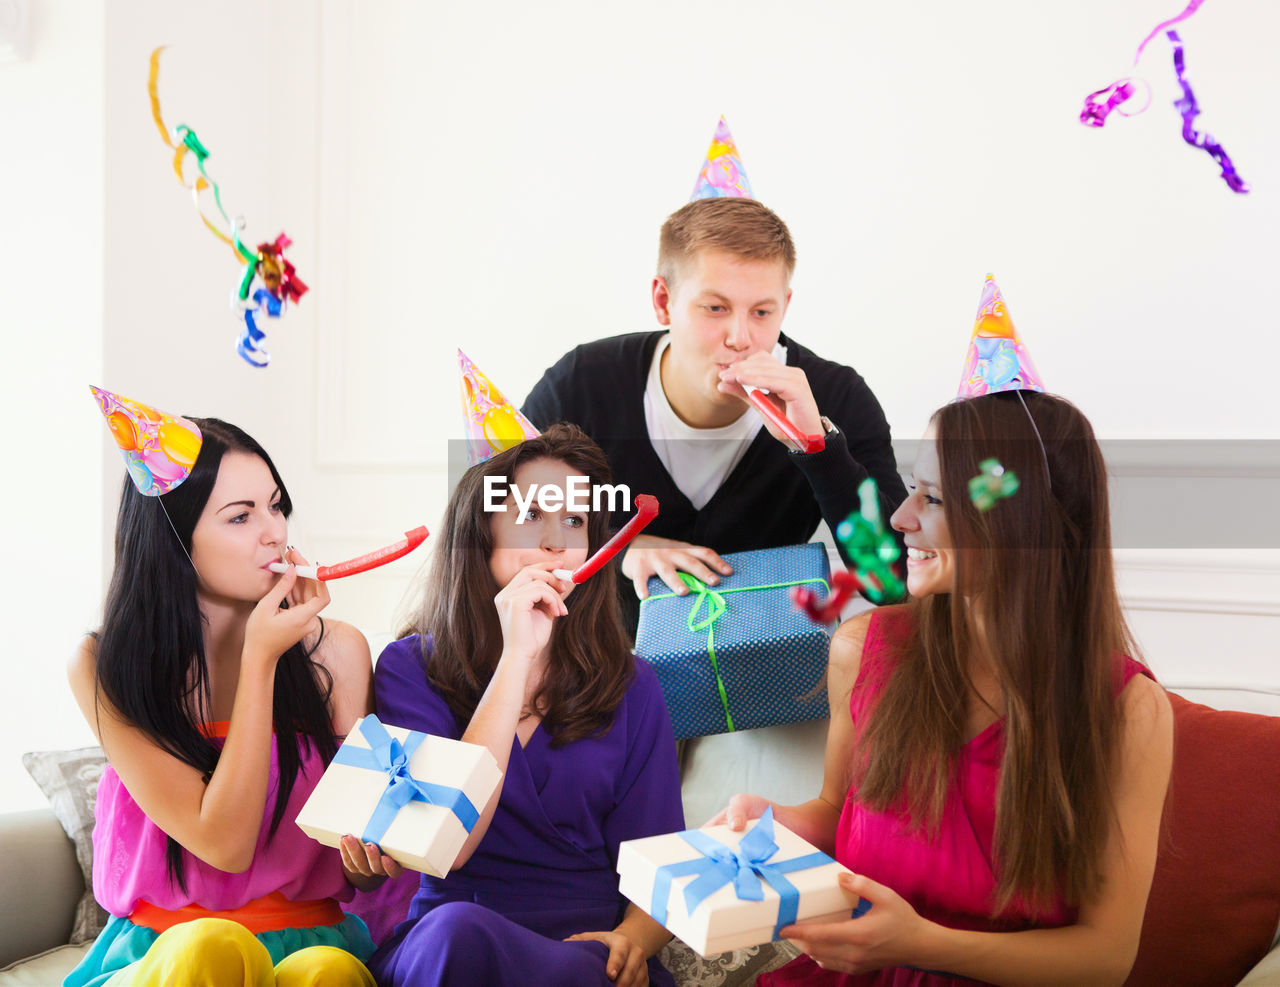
x=716, y=607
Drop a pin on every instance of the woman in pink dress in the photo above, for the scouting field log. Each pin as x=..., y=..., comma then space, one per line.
x=217, y=692
x=996, y=765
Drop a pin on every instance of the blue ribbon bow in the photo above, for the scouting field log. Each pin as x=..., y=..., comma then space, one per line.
x=720, y=865
x=387, y=754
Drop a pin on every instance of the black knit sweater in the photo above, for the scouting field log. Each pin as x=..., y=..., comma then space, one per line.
x=772, y=496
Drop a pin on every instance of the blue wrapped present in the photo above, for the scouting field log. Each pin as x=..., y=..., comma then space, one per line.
x=740, y=655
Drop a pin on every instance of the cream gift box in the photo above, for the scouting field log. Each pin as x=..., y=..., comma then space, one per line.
x=415, y=795
x=718, y=890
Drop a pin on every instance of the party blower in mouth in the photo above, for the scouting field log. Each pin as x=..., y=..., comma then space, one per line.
x=646, y=511
x=361, y=563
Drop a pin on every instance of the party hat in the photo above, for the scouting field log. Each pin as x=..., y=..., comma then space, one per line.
x=722, y=175
x=159, y=450
x=492, y=423
x=997, y=359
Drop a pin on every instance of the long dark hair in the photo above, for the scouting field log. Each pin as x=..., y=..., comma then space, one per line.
x=151, y=664
x=1039, y=597
x=590, y=663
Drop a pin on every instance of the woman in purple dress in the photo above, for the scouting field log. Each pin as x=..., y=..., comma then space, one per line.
x=503, y=655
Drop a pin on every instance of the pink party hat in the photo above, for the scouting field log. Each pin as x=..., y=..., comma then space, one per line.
x=492, y=423
x=722, y=175
x=997, y=359
x=159, y=450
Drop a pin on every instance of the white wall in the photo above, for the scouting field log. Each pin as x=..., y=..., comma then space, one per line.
x=51, y=252
x=494, y=176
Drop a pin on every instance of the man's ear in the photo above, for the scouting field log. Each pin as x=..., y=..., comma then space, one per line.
x=661, y=300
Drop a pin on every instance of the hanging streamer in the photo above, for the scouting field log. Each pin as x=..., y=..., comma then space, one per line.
x=1099, y=105
x=1190, y=109
x=281, y=283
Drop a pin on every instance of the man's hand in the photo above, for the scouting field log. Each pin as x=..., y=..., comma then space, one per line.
x=788, y=388
x=649, y=555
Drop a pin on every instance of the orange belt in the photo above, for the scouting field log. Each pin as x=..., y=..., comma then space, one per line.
x=265, y=914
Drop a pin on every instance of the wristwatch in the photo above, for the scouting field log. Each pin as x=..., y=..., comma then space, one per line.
x=828, y=429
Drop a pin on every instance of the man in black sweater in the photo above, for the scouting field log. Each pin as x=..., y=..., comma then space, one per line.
x=669, y=410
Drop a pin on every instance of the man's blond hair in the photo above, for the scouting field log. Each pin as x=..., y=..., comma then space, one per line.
x=742, y=227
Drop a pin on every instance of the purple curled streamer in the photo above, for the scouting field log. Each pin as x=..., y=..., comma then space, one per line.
x=1095, y=111
x=1190, y=109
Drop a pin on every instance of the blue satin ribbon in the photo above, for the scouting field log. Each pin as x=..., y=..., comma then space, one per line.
x=720, y=865
x=388, y=755
x=249, y=345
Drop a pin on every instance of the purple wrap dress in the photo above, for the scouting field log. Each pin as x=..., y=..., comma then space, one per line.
x=545, y=869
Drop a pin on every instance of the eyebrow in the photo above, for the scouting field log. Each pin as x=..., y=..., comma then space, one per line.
x=710, y=293
x=248, y=503
x=923, y=483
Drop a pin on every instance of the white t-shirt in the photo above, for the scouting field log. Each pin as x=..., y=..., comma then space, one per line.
x=698, y=459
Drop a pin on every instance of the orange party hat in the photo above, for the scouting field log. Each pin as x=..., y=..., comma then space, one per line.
x=159, y=450
x=997, y=359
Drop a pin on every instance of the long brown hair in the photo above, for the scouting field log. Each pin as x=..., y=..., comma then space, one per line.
x=1039, y=599
x=589, y=665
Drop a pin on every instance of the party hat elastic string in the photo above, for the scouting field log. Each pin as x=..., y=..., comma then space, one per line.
x=165, y=510
x=1044, y=455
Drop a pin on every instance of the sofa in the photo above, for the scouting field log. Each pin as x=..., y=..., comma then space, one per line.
x=1213, y=917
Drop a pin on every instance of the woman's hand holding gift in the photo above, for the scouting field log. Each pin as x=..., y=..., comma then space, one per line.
x=889, y=934
x=365, y=865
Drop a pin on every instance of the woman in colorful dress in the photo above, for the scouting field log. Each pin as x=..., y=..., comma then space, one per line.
x=217, y=693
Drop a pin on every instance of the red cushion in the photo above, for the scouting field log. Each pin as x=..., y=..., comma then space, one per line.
x=1215, y=899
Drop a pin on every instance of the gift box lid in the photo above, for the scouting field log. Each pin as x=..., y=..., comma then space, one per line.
x=756, y=600
x=722, y=912
x=451, y=764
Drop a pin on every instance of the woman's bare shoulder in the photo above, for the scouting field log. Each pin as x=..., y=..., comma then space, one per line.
x=82, y=674
x=846, y=652
x=344, y=653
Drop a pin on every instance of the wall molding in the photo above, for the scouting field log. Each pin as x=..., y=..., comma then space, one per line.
x=1200, y=581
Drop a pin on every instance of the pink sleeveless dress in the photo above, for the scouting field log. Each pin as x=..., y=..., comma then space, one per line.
x=949, y=879
x=129, y=870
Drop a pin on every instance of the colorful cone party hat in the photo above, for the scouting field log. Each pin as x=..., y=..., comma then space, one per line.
x=997, y=359
x=492, y=423
x=722, y=175
x=159, y=450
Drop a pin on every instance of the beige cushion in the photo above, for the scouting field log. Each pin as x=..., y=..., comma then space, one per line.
x=40, y=883
x=69, y=780
x=782, y=763
x=45, y=970
x=1265, y=974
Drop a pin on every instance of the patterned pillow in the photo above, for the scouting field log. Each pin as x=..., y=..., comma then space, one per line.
x=69, y=780
x=736, y=968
